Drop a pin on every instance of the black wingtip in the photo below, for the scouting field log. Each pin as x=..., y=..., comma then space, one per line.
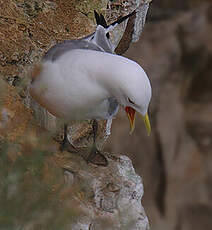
x=120, y=20
x=103, y=22
x=97, y=17
x=100, y=20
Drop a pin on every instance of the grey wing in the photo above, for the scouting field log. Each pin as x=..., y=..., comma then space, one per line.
x=58, y=50
x=113, y=106
x=101, y=40
x=98, y=41
x=101, y=37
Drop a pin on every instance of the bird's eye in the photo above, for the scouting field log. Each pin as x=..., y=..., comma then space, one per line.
x=130, y=101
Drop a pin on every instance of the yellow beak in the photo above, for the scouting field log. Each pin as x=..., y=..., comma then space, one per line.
x=131, y=116
x=147, y=123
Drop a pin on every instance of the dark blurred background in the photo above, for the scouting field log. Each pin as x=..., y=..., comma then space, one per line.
x=175, y=162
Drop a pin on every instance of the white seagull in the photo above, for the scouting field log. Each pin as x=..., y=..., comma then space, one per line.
x=83, y=79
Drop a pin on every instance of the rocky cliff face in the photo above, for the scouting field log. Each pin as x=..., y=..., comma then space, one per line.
x=41, y=187
x=175, y=161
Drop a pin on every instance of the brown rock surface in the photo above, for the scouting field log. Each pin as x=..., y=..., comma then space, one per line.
x=42, y=188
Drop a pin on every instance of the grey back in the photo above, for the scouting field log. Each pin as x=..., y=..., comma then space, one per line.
x=58, y=50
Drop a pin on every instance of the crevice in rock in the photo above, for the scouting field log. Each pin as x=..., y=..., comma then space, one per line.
x=162, y=185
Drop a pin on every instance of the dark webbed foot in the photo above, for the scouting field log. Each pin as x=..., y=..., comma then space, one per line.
x=97, y=158
x=65, y=144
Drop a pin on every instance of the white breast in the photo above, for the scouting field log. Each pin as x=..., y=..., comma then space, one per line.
x=68, y=91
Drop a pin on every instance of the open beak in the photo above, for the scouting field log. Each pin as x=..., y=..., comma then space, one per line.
x=131, y=116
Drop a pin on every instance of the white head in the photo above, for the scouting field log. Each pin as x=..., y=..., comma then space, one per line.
x=133, y=92
x=124, y=79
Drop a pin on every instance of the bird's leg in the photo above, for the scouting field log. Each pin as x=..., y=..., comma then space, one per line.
x=95, y=156
x=94, y=148
x=65, y=144
x=95, y=129
x=65, y=138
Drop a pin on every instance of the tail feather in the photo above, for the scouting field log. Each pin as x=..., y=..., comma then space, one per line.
x=100, y=20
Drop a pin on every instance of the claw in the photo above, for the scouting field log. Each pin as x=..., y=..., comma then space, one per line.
x=97, y=158
x=67, y=146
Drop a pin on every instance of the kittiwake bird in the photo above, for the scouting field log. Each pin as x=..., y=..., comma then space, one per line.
x=83, y=79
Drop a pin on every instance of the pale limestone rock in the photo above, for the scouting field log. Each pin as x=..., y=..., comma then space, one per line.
x=112, y=194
